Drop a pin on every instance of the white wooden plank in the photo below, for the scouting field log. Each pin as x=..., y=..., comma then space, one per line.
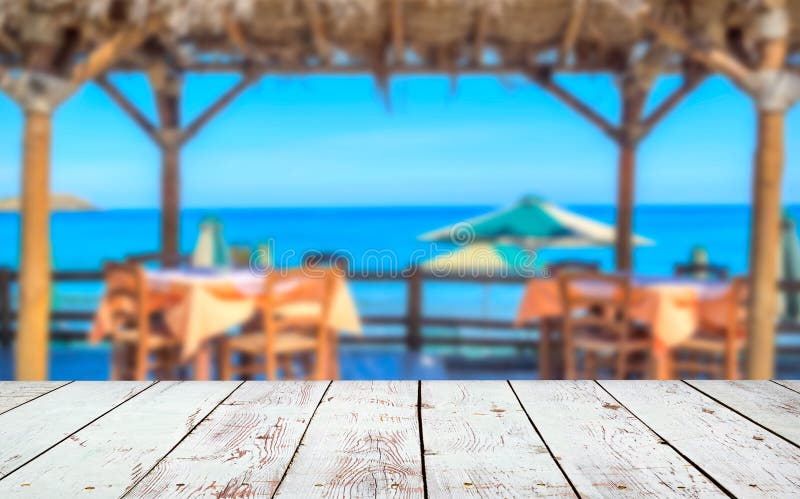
x=14, y=393
x=792, y=384
x=480, y=443
x=741, y=456
x=30, y=429
x=765, y=402
x=242, y=449
x=109, y=456
x=602, y=448
x=363, y=441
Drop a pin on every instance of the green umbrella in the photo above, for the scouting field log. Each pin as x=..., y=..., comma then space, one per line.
x=698, y=256
x=790, y=264
x=531, y=223
x=211, y=251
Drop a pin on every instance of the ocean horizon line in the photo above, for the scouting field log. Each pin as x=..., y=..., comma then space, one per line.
x=387, y=207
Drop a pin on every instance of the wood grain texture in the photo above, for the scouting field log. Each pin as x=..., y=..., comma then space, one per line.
x=242, y=449
x=480, y=443
x=29, y=430
x=15, y=393
x=742, y=457
x=363, y=441
x=792, y=384
x=112, y=454
x=602, y=448
x=767, y=403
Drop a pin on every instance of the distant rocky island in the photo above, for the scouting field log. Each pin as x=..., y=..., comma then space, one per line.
x=58, y=202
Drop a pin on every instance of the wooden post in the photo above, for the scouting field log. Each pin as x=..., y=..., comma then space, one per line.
x=34, y=277
x=168, y=95
x=5, y=307
x=414, y=311
x=170, y=138
x=633, y=99
x=170, y=202
x=765, y=226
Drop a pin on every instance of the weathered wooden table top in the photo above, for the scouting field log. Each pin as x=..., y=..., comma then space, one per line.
x=400, y=438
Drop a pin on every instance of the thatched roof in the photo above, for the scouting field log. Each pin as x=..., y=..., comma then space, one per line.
x=374, y=35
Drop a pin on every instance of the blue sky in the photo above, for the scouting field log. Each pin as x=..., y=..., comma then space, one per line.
x=331, y=141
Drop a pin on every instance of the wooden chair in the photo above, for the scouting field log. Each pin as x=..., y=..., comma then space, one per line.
x=704, y=271
x=336, y=261
x=715, y=352
x=559, y=266
x=551, y=345
x=285, y=338
x=137, y=328
x=240, y=256
x=598, y=327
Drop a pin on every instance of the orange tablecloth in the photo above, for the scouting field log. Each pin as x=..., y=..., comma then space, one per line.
x=672, y=308
x=213, y=303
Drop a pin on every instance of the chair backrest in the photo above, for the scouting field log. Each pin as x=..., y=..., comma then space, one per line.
x=240, y=256
x=309, y=291
x=596, y=301
x=125, y=294
x=560, y=266
x=738, y=296
x=702, y=271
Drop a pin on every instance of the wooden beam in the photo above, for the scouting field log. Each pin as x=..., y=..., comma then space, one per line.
x=765, y=225
x=572, y=30
x=167, y=88
x=9, y=43
x=481, y=28
x=236, y=36
x=109, y=52
x=633, y=100
x=317, y=30
x=689, y=84
x=398, y=33
x=546, y=82
x=35, y=257
x=713, y=58
x=214, y=109
x=126, y=105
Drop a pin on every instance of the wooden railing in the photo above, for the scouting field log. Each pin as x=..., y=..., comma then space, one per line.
x=414, y=320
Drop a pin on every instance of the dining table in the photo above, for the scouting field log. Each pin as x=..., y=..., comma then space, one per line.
x=672, y=308
x=203, y=305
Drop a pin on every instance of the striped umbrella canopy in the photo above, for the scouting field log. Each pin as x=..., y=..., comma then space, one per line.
x=790, y=264
x=211, y=251
x=531, y=223
x=481, y=260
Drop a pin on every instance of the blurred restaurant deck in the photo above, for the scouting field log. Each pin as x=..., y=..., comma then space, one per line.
x=48, y=52
x=411, y=344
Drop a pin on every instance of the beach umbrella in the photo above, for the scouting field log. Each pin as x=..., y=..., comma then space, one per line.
x=698, y=255
x=531, y=223
x=481, y=260
x=211, y=251
x=790, y=264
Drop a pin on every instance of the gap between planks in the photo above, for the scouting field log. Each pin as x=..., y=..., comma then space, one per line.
x=15, y=393
x=772, y=406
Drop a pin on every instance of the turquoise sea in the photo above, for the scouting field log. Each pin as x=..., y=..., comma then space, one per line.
x=389, y=234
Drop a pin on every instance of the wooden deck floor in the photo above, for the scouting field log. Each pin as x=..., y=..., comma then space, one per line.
x=400, y=439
